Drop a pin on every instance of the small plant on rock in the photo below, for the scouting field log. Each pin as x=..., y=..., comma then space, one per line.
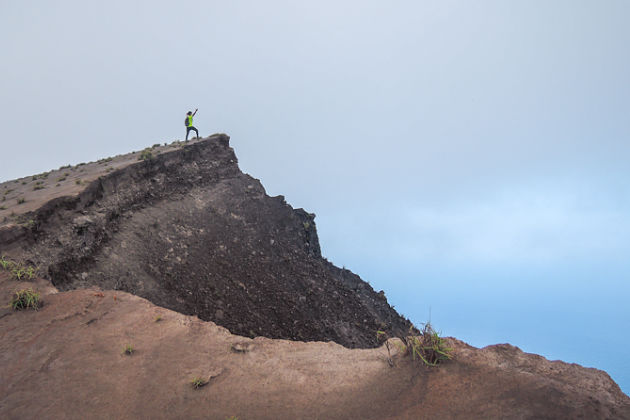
x=26, y=298
x=128, y=350
x=198, y=382
x=428, y=346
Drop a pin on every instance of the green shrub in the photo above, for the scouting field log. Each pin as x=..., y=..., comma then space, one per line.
x=26, y=298
x=146, y=154
x=128, y=350
x=21, y=200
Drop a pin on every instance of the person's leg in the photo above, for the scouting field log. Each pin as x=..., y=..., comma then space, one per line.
x=187, y=131
x=196, y=131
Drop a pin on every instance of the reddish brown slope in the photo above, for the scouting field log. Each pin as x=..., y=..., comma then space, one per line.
x=66, y=361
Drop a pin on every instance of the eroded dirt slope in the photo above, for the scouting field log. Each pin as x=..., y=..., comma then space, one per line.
x=189, y=231
x=66, y=361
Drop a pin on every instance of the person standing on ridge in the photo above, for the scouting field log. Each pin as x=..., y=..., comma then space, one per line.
x=189, y=122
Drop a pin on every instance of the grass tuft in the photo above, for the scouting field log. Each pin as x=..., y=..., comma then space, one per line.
x=26, y=298
x=198, y=382
x=6, y=263
x=128, y=350
x=18, y=270
x=428, y=346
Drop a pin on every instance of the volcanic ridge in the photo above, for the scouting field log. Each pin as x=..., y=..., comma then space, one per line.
x=176, y=250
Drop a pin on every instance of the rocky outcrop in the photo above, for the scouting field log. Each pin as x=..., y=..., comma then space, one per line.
x=189, y=231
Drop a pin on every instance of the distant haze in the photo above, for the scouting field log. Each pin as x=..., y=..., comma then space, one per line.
x=469, y=158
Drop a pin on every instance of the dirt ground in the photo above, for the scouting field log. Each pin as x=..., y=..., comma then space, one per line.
x=67, y=360
x=23, y=195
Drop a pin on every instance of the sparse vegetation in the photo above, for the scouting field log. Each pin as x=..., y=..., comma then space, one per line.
x=65, y=167
x=158, y=318
x=198, y=382
x=146, y=154
x=155, y=145
x=78, y=182
x=426, y=346
x=5, y=263
x=3, y=208
x=21, y=271
x=128, y=350
x=21, y=200
x=30, y=223
x=26, y=298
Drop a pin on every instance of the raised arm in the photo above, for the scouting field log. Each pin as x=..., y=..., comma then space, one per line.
x=195, y=112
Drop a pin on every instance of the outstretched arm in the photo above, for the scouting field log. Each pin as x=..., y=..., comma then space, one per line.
x=195, y=112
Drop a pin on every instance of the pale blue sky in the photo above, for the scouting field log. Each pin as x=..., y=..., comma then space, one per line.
x=471, y=157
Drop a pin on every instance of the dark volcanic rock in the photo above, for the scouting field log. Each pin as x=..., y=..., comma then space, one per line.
x=189, y=231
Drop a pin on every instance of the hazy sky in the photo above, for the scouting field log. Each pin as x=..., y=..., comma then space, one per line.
x=447, y=147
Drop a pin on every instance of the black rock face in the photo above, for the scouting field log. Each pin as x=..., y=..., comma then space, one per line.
x=189, y=231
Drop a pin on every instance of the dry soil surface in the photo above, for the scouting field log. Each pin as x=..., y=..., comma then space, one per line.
x=66, y=360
